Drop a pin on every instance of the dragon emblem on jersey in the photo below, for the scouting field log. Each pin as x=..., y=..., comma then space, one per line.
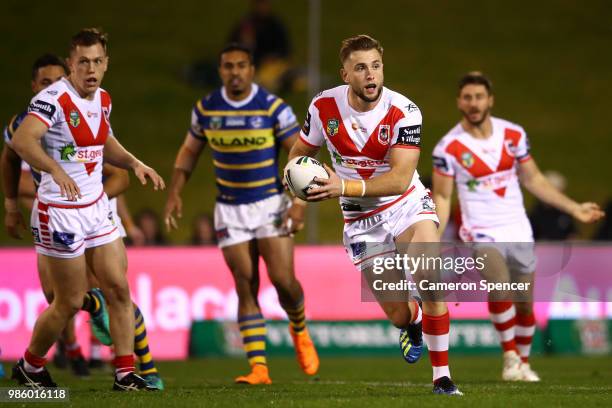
x=67, y=151
x=332, y=126
x=216, y=122
x=337, y=158
x=472, y=184
x=75, y=118
x=467, y=160
x=383, y=134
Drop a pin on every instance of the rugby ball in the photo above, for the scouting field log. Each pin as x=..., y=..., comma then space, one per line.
x=300, y=173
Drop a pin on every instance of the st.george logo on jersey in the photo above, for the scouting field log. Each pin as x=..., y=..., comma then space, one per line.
x=332, y=127
x=384, y=132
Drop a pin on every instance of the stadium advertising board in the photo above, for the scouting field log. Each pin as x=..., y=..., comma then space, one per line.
x=176, y=286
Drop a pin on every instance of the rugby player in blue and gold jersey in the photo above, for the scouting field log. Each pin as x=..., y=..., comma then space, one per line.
x=246, y=126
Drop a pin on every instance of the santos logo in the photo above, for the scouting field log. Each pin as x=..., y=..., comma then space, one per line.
x=165, y=308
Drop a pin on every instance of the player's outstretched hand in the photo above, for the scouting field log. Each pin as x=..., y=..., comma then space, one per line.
x=588, y=213
x=293, y=219
x=68, y=188
x=142, y=171
x=173, y=205
x=328, y=188
x=14, y=222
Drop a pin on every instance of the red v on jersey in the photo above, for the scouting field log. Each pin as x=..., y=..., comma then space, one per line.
x=476, y=166
x=80, y=130
x=82, y=134
x=342, y=141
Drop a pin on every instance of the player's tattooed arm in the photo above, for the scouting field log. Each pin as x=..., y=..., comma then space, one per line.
x=538, y=185
x=26, y=142
x=117, y=155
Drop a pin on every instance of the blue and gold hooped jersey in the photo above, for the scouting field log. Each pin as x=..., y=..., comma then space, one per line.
x=8, y=133
x=245, y=140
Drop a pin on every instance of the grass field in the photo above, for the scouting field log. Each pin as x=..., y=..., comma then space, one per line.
x=357, y=382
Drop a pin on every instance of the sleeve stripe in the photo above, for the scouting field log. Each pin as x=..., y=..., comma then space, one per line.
x=9, y=128
x=309, y=144
x=287, y=129
x=525, y=158
x=442, y=173
x=274, y=106
x=199, y=137
x=200, y=107
x=406, y=147
x=37, y=116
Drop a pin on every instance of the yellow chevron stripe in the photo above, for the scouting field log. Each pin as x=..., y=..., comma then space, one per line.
x=249, y=184
x=146, y=358
x=139, y=329
x=141, y=344
x=287, y=129
x=246, y=166
x=10, y=125
x=258, y=331
x=250, y=322
x=257, y=360
x=254, y=112
x=273, y=107
x=255, y=345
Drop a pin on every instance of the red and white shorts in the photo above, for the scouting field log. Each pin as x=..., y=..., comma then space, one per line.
x=374, y=236
x=65, y=231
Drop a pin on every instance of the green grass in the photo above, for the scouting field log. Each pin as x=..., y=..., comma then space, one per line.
x=356, y=382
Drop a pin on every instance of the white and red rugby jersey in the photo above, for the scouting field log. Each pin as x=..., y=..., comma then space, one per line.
x=485, y=171
x=77, y=132
x=360, y=143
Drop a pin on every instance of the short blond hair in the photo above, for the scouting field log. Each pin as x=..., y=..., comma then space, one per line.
x=361, y=42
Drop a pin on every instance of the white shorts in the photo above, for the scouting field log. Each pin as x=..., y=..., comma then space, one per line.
x=243, y=222
x=64, y=231
x=514, y=241
x=113, y=206
x=374, y=236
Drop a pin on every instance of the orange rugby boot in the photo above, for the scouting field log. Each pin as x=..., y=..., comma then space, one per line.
x=305, y=351
x=258, y=375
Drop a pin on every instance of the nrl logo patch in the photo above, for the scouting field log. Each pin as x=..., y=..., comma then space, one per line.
x=467, y=160
x=75, y=118
x=383, y=134
x=332, y=127
x=216, y=122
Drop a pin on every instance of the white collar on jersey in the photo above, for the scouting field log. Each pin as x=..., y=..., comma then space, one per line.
x=239, y=104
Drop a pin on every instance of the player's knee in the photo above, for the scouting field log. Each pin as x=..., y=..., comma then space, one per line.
x=523, y=308
x=398, y=316
x=67, y=306
x=434, y=308
x=282, y=282
x=48, y=296
x=117, y=292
